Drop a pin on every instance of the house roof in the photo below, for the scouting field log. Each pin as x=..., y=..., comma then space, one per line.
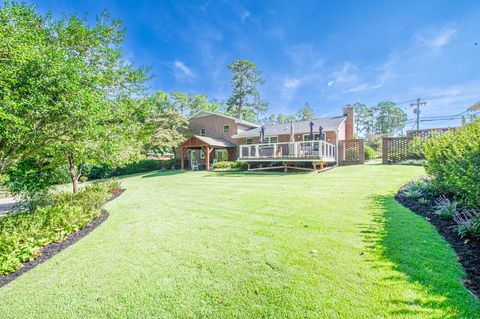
x=203, y=113
x=215, y=141
x=328, y=124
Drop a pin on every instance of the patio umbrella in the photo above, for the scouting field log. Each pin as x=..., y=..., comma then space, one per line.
x=320, y=131
x=311, y=131
x=292, y=133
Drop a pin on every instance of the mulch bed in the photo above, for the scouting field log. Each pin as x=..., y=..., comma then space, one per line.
x=52, y=249
x=468, y=250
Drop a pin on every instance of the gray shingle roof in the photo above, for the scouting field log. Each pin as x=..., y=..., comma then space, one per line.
x=328, y=124
x=215, y=141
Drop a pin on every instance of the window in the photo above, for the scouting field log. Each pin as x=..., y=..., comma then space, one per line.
x=226, y=128
x=271, y=139
x=221, y=155
x=306, y=137
x=249, y=140
x=202, y=154
x=202, y=131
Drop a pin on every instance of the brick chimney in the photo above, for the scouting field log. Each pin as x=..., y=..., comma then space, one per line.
x=349, y=112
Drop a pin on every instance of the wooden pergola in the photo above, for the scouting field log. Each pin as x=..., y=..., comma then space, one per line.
x=207, y=145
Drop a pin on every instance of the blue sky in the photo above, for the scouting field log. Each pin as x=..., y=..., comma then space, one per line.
x=327, y=53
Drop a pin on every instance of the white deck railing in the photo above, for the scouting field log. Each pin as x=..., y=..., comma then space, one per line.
x=316, y=150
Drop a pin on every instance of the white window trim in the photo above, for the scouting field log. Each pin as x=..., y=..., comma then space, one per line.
x=202, y=154
x=202, y=128
x=247, y=139
x=226, y=125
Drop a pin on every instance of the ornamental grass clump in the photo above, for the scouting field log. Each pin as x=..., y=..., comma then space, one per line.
x=445, y=208
x=468, y=223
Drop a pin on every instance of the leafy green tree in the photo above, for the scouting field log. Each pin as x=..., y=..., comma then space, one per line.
x=171, y=127
x=285, y=118
x=245, y=99
x=389, y=118
x=364, y=119
x=268, y=120
x=385, y=119
x=305, y=113
x=64, y=91
x=191, y=103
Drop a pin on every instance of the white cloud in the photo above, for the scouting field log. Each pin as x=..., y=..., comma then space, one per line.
x=291, y=83
x=245, y=15
x=183, y=70
x=435, y=40
x=330, y=83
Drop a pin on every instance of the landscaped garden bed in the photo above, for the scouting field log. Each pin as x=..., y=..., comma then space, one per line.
x=467, y=249
x=32, y=236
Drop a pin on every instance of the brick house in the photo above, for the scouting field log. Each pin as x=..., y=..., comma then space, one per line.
x=218, y=137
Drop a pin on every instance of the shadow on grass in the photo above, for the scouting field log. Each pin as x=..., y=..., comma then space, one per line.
x=402, y=241
x=252, y=173
x=163, y=173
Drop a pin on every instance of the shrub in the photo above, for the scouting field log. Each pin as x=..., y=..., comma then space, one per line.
x=415, y=148
x=138, y=167
x=445, y=208
x=98, y=171
x=22, y=235
x=83, y=179
x=454, y=160
x=226, y=165
x=173, y=163
x=369, y=153
x=468, y=223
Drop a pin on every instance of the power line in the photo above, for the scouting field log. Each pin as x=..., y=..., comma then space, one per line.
x=419, y=102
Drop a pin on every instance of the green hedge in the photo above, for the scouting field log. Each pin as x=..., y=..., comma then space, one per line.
x=22, y=235
x=229, y=165
x=105, y=171
x=454, y=160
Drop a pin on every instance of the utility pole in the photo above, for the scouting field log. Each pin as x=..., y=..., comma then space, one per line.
x=419, y=102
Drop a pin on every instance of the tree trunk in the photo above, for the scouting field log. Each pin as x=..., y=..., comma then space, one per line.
x=73, y=176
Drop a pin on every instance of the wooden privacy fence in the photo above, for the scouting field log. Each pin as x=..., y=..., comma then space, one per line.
x=395, y=149
x=351, y=152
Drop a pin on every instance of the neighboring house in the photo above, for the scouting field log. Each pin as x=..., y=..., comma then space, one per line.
x=218, y=137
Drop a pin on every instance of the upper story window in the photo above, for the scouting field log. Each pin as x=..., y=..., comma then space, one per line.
x=248, y=140
x=306, y=137
x=271, y=139
x=226, y=129
x=202, y=131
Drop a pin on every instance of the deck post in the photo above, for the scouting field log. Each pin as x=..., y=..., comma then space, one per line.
x=182, y=158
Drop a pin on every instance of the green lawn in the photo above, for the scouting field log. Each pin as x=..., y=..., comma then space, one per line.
x=211, y=245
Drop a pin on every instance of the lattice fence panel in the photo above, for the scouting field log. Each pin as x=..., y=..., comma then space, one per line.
x=395, y=149
x=351, y=152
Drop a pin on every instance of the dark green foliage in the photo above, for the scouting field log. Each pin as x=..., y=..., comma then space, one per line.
x=229, y=165
x=369, y=153
x=138, y=167
x=454, y=160
x=22, y=235
x=105, y=171
x=32, y=176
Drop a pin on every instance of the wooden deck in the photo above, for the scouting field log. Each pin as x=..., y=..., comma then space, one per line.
x=311, y=151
